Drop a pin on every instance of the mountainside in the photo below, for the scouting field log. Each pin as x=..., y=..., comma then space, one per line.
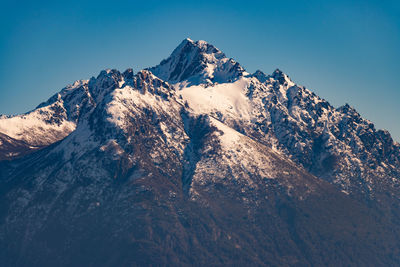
x=196, y=162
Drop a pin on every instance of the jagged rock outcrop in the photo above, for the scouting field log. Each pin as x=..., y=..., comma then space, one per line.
x=196, y=162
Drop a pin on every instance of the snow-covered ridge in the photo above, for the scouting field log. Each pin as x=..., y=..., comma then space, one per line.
x=142, y=90
x=226, y=99
x=150, y=159
x=336, y=144
x=198, y=63
x=50, y=123
x=51, y=120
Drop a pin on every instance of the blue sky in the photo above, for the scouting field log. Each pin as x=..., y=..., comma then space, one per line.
x=344, y=51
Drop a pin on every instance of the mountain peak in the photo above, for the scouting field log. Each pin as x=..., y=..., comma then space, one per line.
x=347, y=109
x=277, y=72
x=260, y=75
x=197, y=62
x=281, y=77
x=201, y=44
x=277, y=75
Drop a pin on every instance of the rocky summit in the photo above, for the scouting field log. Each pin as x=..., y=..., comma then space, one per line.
x=196, y=162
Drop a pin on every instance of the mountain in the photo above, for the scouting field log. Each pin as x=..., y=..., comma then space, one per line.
x=196, y=162
x=51, y=121
x=198, y=62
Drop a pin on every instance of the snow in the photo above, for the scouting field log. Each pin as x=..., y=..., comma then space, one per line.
x=283, y=118
x=78, y=142
x=126, y=99
x=240, y=150
x=227, y=98
x=29, y=126
x=205, y=64
x=230, y=137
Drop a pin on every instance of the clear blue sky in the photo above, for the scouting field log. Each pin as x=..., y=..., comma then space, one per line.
x=345, y=51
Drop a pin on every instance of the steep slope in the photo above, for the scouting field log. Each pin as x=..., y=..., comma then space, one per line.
x=145, y=181
x=11, y=148
x=49, y=122
x=336, y=144
x=196, y=162
x=56, y=118
x=197, y=63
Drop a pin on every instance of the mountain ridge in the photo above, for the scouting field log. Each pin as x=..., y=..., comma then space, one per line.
x=184, y=161
x=289, y=103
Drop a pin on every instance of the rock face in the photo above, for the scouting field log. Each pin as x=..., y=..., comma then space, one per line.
x=198, y=63
x=196, y=162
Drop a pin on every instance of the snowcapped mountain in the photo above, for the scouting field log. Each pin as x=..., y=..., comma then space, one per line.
x=50, y=122
x=193, y=63
x=335, y=144
x=196, y=161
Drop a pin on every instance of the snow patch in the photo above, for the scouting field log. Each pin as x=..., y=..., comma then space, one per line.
x=227, y=98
